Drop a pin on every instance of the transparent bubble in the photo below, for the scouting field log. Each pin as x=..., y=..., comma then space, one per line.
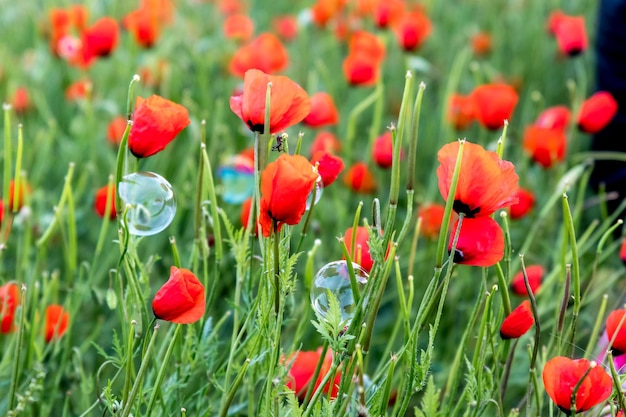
x=319, y=188
x=151, y=202
x=333, y=280
x=238, y=184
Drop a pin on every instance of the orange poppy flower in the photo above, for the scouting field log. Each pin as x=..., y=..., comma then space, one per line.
x=21, y=100
x=163, y=10
x=570, y=33
x=486, y=182
x=481, y=43
x=412, y=30
x=561, y=375
x=493, y=104
x=181, y=299
x=432, y=217
x=238, y=27
x=545, y=146
x=302, y=369
x=57, y=320
x=460, y=111
x=9, y=300
x=556, y=117
x=228, y=7
x=518, y=322
x=359, y=179
x=285, y=186
x=329, y=166
x=597, y=112
x=286, y=27
x=387, y=13
x=156, y=122
x=25, y=190
x=481, y=242
x=366, y=42
x=60, y=25
x=100, y=38
x=325, y=141
x=382, y=151
x=100, y=202
x=144, y=26
x=323, y=111
x=79, y=90
x=116, y=129
x=525, y=203
x=265, y=52
x=614, y=330
x=289, y=103
x=535, y=276
x=324, y=10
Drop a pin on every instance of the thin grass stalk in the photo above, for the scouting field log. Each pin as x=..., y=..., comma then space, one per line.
x=164, y=365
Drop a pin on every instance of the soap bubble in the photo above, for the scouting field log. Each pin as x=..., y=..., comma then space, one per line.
x=150, y=201
x=333, y=280
x=319, y=188
x=237, y=177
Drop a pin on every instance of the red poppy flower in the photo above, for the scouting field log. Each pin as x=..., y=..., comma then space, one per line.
x=545, y=146
x=361, y=253
x=324, y=10
x=325, y=141
x=265, y=53
x=289, y=103
x=382, y=151
x=156, y=122
x=622, y=252
x=329, y=166
x=486, y=183
x=362, y=69
x=366, y=42
x=323, y=111
x=535, y=276
x=613, y=329
x=556, y=117
x=239, y=27
x=60, y=24
x=25, y=190
x=116, y=129
x=570, y=33
x=460, y=111
x=561, y=375
x=144, y=25
x=302, y=370
x=228, y=7
x=525, y=203
x=57, y=320
x=388, y=13
x=100, y=38
x=493, y=104
x=481, y=43
x=432, y=217
x=412, y=29
x=516, y=324
x=21, y=100
x=481, y=242
x=181, y=299
x=100, y=202
x=79, y=90
x=286, y=27
x=596, y=112
x=245, y=213
x=9, y=300
x=359, y=179
x=285, y=186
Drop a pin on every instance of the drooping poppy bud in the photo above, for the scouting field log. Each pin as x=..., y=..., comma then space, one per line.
x=238, y=27
x=525, y=203
x=9, y=300
x=57, y=320
x=329, y=166
x=561, y=375
x=481, y=43
x=616, y=329
x=535, y=276
x=480, y=243
x=285, y=186
x=412, y=30
x=181, y=299
x=486, y=182
x=289, y=103
x=323, y=111
x=545, y=146
x=265, y=53
x=325, y=141
x=100, y=202
x=596, y=112
x=556, y=117
x=460, y=111
x=360, y=179
x=302, y=369
x=493, y=104
x=156, y=122
x=116, y=129
x=516, y=324
x=382, y=151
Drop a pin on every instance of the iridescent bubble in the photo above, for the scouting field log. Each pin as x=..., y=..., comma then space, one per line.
x=237, y=177
x=319, y=188
x=150, y=201
x=333, y=280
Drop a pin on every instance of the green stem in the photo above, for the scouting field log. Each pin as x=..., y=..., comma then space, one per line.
x=164, y=366
x=18, y=193
x=18, y=351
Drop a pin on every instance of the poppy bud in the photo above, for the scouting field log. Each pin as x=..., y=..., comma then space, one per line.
x=181, y=299
x=382, y=151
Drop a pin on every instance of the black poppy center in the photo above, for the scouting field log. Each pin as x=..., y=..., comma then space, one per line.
x=458, y=256
x=259, y=127
x=461, y=207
